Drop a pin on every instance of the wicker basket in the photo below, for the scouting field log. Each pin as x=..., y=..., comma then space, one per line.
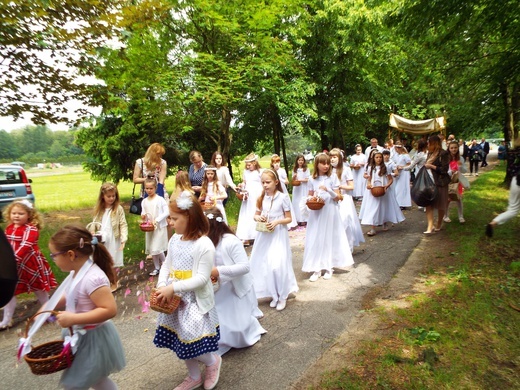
x=315, y=203
x=147, y=225
x=164, y=307
x=356, y=167
x=377, y=189
x=241, y=194
x=98, y=230
x=296, y=183
x=50, y=357
x=208, y=205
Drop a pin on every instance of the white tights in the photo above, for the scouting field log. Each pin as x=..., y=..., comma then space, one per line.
x=193, y=364
x=158, y=260
x=43, y=297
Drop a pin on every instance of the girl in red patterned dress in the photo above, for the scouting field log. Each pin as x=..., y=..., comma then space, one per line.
x=34, y=273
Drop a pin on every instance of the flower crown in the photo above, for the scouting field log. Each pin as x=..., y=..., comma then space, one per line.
x=184, y=200
x=26, y=203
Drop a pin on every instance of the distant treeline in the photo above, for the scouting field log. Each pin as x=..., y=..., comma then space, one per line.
x=38, y=144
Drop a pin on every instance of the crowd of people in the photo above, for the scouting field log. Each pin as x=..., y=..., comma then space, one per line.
x=198, y=258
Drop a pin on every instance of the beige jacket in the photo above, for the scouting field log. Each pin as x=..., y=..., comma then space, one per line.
x=119, y=225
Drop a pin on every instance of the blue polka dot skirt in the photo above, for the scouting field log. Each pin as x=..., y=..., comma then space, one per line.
x=186, y=331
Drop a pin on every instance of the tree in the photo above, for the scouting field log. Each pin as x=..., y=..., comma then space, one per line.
x=44, y=47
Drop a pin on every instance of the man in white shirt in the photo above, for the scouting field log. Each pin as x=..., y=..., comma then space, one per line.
x=373, y=145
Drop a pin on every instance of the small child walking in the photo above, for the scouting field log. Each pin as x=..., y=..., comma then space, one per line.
x=212, y=191
x=251, y=187
x=271, y=258
x=109, y=213
x=284, y=181
x=347, y=207
x=235, y=299
x=456, y=167
x=89, y=306
x=302, y=174
x=156, y=210
x=34, y=273
x=326, y=242
x=379, y=210
x=191, y=331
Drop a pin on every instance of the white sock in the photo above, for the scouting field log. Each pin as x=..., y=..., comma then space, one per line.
x=9, y=312
x=43, y=296
x=208, y=359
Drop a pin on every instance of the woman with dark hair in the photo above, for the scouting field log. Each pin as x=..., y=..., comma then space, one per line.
x=196, y=171
x=438, y=162
x=235, y=299
x=224, y=177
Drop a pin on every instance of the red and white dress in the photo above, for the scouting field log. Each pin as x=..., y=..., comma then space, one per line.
x=34, y=273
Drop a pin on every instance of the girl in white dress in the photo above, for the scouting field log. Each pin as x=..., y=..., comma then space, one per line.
x=357, y=164
x=235, y=299
x=111, y=215
x=251, y=188
x=380, y=210
x=191, y=331
x=326, y=243
x=402, y=182
x=224, y=177
x=284, y=181
x=299, y=193
x=155, y=209
x=347, y=208
x=212, y=191
x=271, y=258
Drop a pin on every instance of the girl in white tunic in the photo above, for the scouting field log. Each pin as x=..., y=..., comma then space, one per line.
x=347, y=208
x=299, y=193
x=191, y=331
x=284, y=181
x=235, y=299
x=224, y=177
x=212, y=191
x=380, y=210
x=251, y=187
x=271, y=258
x=110, y=216
x=155, y=209
x=357, y=164
x=402, y=182
x=326, y=243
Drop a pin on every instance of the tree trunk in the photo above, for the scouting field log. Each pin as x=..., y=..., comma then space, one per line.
x=515, y=102
x=225, y=137
x=508, y=128
x=277, y=126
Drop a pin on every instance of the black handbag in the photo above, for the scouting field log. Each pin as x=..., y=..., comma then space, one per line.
x=424, y=190
x=135, y=205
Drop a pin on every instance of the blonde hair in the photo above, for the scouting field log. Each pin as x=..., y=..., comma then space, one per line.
x=252, y=158
x=153, y=156
x=34, y=217
x=100, y=204
x=321, y=158
x=274, y=176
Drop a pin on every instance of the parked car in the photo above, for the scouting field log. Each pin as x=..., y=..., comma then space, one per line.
x=14, y=185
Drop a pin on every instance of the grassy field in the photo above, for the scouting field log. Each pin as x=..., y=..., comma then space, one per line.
x=461, y=330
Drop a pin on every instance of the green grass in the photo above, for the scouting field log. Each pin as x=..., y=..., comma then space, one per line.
x=466, y=319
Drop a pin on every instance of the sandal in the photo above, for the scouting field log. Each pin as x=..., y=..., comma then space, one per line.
x=385, y=227
x=371, y=233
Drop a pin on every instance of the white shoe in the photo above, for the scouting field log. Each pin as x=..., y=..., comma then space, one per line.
x=273, y=303
x=281, y=304
x=447, y=219
x=155, y=272
x=476, y=174
x=315, y=276
x=327, y=275
x=462, y=220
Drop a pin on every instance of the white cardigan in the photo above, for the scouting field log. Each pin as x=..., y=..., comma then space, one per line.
x=200, y=282
x=236, y=264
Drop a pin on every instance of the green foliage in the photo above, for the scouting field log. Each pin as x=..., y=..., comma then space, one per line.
x=421, y=335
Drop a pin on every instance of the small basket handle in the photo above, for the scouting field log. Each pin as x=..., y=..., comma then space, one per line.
x=95, y=224
x=53, y=312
